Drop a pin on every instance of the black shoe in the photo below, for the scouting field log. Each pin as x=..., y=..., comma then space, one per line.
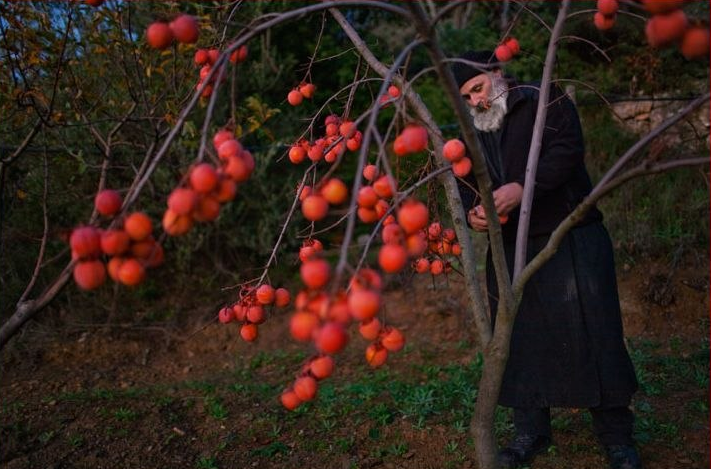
x=623, y=457
x=522, y=450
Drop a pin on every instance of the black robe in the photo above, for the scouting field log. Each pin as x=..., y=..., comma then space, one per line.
x=567, y=347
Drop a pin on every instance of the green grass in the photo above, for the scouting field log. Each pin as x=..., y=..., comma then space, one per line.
x=123, y=414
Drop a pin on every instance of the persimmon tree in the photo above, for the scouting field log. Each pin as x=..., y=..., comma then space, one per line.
x=369, y=146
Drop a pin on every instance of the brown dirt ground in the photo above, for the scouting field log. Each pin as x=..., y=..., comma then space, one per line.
x=43, y=426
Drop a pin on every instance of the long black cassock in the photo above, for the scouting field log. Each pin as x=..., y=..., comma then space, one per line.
x=567, y=347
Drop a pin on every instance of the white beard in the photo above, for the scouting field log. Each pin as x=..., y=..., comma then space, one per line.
x=489, y=120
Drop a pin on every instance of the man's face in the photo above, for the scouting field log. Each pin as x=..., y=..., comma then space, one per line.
x=477, y=91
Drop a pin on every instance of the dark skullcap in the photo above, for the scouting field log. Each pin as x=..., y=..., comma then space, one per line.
x=465, y=72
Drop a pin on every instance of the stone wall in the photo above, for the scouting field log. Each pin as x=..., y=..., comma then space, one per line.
x=642, y=116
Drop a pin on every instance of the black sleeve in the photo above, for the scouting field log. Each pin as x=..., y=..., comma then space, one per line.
x=562, y=148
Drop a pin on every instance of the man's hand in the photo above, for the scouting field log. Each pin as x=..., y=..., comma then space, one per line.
x=507, y=197
x=477, y=219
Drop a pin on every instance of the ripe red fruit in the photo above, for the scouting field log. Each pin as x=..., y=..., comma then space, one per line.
x=414, y=138
x=399, y=146
x=315, y=153
x=335, y=191
x=237, y=168
x=226, y=144
x=239, y=55
x=331, y=338
x=434, y=230
x=248, y=332
x=303, y=325
x=503, y=53
x=421, y=265
x=143, y=249
x=364, y=303
x=240, y=312
x=94, y=3
x=393, y=234
x=607, y=7
x=436, y=267
x=223, y=136
x=321, y=367
x=294, y=97
x=416, y=244
x=367, y=215
x=392, y=339
x=662, y=30
x=338, y=311
x=347, y=129
x=85, y=241
x=255, y=314
x=367, y=197
x=201, y=57
x=185, y=29
x=182, y=201
x=265, y=294
x=305, y=388
x=462, y=167
x=113, y=268
x=204, y=72
x=114, y=242
x=393, y=91
x=332, y=119
x=353, y=144
x=108, y=202
x=376, y=355
x=366, y=279
x=297, y=154
x=695, y=44
x=207, y=209
x=212, y=56
x=159, y=35
x=203, y=178
x=454, y=150
x=370, y=172
x=315, y=273
x=384, y=187
x=307, y=90
x=602, y=22
x=512, y=43
x=412, y=216
x=89, y=275
x=226, y=190
x=282, y=297
x=392, y=258
x=226, y=315
x=370, y=329
x=176, y=225
x=138, y=226
x=290, y=400
x=657, y=7
x=314, y=207
x=131, y=272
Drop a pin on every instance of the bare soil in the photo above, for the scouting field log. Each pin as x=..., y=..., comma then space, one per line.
x=199, y=397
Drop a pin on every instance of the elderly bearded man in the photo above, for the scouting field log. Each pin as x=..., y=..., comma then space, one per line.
x=567, y=347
